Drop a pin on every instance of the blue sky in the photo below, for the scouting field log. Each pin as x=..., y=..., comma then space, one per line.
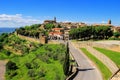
x=16, y=13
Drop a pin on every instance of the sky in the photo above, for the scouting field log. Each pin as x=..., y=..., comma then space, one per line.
x=17, y=13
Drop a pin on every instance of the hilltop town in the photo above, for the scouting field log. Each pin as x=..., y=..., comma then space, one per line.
x=60, y=30
x=71, y=25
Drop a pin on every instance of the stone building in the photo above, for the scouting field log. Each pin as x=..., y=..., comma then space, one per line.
x=50, y=21
x=116, y=29
x=109, y=22
x=56, y=33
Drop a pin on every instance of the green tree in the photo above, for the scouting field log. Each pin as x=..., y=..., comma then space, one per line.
x=116, y=34
x=1, y=46
x=74, y=33
x=3, y=36
x=59, y=26
x=66, y=62
x=91, y=32
x=49, y=26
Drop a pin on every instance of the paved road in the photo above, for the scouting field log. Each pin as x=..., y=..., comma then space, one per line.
x=87, y=70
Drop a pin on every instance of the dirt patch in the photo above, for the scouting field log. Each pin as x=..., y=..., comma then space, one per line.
x=53, y=42
x=112, y=45
x=117, y=49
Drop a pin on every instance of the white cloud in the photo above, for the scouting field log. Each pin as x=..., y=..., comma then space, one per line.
x=103, y=22
x=17, y=20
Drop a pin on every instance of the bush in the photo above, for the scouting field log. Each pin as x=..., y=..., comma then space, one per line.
x=45, y=59
x=57, y=77
x=3, y=36
x=11, y=66
x=41, y=73
x=114, y=38
x=11, y=74
x=36, y=65
x=25, y=50
x=28, y=65
x=1, y=46
x=8, y=53
x=31, y=73
x=55, y=56
x=116, y=34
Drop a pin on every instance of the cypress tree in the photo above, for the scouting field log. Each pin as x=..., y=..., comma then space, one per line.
x=66, y=62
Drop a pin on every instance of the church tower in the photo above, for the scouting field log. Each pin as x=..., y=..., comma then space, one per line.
x=55, y=19
x=109, y=21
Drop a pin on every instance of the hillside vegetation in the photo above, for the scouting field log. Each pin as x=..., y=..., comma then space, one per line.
x=35, y=61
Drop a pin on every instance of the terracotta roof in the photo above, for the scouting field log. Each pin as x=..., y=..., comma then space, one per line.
x=55, y=33
x=57, y=28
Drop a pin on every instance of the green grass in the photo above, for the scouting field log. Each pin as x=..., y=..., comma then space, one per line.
x=46, y=64
x=104, y=70
x=114, y=56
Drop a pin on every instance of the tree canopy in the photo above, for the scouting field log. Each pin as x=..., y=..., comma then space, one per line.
x=31, y=31
x=91, y=32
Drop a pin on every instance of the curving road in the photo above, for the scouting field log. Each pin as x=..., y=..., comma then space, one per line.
x=87, y=70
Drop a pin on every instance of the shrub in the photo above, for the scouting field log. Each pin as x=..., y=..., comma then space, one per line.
x=114, y=38
x=45, y=58
x=55, y=56
x=28, y=65
x=1, y=46
x=8, y=53
x=25, y=50
x=11, y=66
x=13, y=74
x=36, y=65
x=40, y=45
x=3, y=37
x=41, y=73
x=57, y=77
x=31, y=73
x=116, y=34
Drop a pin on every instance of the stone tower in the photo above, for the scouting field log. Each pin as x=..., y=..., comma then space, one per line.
x=109, y=21
x=55, y=19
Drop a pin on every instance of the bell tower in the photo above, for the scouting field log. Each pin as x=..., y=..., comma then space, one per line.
x=55, y=19
x=109, y=21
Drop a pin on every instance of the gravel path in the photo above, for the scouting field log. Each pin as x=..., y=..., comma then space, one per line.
x=2, y=69
x=110, y=42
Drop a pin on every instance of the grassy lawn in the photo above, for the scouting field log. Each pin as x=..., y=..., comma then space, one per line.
x=104, y=70
x=114, y=56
